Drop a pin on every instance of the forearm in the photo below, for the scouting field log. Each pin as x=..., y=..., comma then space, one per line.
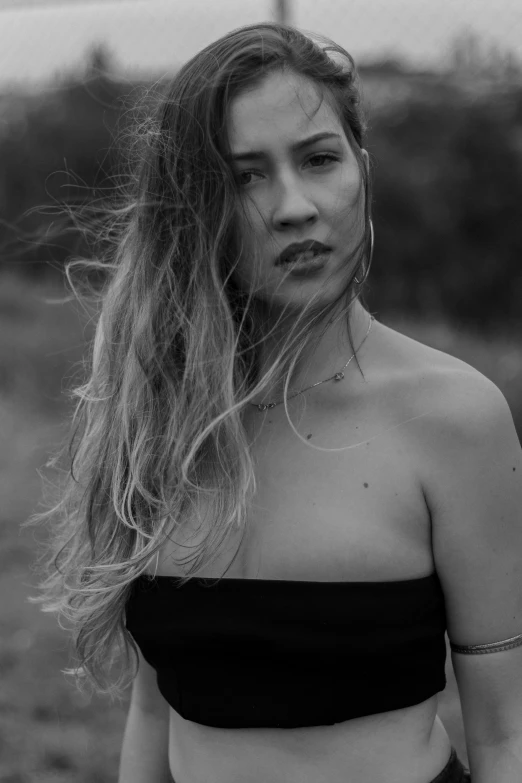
x=500, y=762
x=144, y=754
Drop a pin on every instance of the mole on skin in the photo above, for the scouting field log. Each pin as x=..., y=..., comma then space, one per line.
x=365, y=485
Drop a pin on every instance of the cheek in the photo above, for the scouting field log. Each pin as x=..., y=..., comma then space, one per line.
x=351, y=198
x=353, y=186
x=251, y=223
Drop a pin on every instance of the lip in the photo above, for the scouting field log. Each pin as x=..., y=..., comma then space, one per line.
x=301, y=247
x=308, y=269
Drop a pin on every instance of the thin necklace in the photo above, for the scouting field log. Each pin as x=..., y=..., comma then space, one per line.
x=263, y=406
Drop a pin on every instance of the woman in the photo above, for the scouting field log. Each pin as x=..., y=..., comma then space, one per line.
x=280, y=504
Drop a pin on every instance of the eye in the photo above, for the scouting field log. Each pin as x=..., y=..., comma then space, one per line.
x=325, y=156
x=243, y=174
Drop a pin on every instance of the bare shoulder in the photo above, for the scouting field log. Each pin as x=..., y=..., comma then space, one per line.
x=455, y=424
x=442, y=389
x=456, y=420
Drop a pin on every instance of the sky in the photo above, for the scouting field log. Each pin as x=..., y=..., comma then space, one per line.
x=43, y=38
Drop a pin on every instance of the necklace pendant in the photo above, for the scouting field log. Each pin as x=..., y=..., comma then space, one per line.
x=338, y=376
x=263, y=406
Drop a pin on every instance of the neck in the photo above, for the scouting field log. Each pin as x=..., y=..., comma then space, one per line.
x=324, y=356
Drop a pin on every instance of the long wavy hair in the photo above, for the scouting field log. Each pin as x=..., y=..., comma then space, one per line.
x=174, y=363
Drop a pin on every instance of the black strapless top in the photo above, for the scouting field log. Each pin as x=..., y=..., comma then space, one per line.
x=245, y=653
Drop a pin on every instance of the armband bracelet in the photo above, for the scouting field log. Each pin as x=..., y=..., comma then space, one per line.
x=477, y=649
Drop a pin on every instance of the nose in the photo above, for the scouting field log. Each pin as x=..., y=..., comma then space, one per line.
x=294, y=205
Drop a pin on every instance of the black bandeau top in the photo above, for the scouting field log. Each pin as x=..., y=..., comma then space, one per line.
x=252, y=653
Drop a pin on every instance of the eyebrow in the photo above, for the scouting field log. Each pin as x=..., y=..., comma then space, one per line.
x=258, y=154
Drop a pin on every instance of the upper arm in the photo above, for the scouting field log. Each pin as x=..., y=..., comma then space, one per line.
x=473, y=488
x=145, y=693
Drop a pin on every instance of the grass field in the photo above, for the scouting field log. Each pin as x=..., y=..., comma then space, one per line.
x=49, y=733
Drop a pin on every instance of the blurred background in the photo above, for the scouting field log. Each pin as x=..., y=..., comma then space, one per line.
x=442, y=85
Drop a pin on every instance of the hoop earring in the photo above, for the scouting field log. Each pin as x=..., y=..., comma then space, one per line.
x=371, y=251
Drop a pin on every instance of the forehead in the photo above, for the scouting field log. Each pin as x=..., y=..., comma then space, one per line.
x=283, y=105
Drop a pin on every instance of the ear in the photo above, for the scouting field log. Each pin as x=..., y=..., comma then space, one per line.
x=366, y=160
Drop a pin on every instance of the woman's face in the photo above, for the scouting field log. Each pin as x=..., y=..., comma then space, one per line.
x=292, y=189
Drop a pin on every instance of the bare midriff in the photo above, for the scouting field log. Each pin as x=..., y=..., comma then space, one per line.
x=358, y=514
x=403, y=746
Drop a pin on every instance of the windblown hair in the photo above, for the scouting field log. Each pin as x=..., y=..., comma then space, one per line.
x=158, y=425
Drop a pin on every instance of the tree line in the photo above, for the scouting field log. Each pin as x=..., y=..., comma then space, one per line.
x=447, y=185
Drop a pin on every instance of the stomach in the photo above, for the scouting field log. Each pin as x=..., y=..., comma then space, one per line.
x=409, y=745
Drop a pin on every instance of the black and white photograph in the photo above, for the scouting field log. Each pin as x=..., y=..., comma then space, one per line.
x=260, y=391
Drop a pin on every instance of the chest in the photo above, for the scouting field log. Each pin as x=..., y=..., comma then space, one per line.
x=324, y=512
